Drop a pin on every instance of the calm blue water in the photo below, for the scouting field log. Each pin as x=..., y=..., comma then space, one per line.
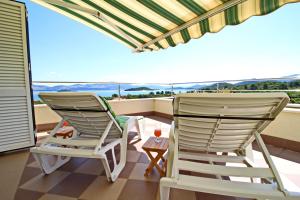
x=109, y=93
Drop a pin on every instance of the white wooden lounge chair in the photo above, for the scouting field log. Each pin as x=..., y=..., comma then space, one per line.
x=97, y=131
x=205, y=124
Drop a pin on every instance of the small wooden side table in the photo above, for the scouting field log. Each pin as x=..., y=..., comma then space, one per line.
x=65, y=132
x=159, y=148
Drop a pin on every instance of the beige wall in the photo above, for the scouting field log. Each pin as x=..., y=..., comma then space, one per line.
x=44, y=115
x=163, y=105
x=131, y=106
x=286, y=125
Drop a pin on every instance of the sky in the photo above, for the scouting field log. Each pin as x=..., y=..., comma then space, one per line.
x=262, y=47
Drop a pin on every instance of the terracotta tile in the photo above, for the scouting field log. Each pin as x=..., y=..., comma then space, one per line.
x=290, y=155
x=28, y=195
x=91, y=166
x=11, y=168
x=102, y=189
x=73, y=185
x=137, y=190
x=43, y=183
x=127, y=170
x=178, y=194
x=109, y=154
x=133, y=156
x=29, y=173
x=73, y=164
x=144, y=158
x=137, y=145
x=55, y=197
x=207, y=196
x=34, y=164
x=30, y=159
x=139, y=170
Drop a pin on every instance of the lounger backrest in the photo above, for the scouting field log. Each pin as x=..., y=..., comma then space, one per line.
x=86, y=112
x=220, y=122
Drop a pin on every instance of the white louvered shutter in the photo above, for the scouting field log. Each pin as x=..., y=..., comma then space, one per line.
x=16, y=117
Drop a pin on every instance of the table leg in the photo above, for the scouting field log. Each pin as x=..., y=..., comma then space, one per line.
x=154, y=162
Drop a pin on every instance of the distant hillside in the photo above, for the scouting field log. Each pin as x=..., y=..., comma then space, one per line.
x=265, y=85
x=138, y=89
x=220, y=86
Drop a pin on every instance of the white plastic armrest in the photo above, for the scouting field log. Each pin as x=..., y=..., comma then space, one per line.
x=104, y=135
x=171, y=151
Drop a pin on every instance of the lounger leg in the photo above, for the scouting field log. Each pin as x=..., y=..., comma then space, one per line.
x=107, y=169
x=164, y=192
x=138, y=128
x=46, y=165
x=113, y=175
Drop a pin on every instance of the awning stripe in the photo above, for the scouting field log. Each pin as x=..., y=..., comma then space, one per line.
x=204, y=26
x=166, y=14
x=267, y=6
x=117, y=18
x=161, y=11
x=159, y=24
x=231, y=16
x=192, y=6
x=136, y=16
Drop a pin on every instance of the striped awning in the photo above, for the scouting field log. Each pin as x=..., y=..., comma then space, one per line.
x=158, y=24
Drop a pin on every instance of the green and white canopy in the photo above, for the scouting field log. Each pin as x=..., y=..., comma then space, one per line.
x=158, y=24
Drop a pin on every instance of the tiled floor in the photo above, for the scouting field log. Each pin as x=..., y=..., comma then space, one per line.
x=85, y=178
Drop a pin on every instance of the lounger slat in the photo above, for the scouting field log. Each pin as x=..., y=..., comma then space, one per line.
x=223, y=110
x=204, y=149
x=210, y=157
x=74, y=142
x=225, y=170
x=224, y=187
x=63, y=151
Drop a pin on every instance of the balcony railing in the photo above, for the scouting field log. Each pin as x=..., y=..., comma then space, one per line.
x=203, y=86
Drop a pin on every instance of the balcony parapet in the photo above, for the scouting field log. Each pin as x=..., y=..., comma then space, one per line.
x=283, y=132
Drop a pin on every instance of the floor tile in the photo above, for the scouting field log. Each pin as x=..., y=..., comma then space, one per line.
x=27, y=195
x=73, y=164
x=103, y=190
x=55, y=197
x=132, y=156
x=139, y=170
x=28, y=173
x=73, y=185
x=144, y=158
x=127, y=170
x=91, y=166
x=34, y=164
x=290, y=155
x=207, y=196
x=11, y=168
x=137, y=190
x=177, y=194
x=30, y=159
x=43, y=183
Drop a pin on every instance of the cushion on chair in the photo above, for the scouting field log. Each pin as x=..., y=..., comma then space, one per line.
x=122, y=120
x=108, y=106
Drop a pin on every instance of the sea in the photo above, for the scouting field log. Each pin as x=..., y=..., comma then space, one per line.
x=109, y=93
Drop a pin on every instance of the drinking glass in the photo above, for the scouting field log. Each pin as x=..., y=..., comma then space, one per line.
x=157, y=133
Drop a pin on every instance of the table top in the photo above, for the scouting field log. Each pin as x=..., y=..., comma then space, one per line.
x=65, y=130
x=151, y=145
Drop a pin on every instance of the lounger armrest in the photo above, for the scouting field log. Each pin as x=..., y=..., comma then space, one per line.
x=171, y=150
x=110, y=145
x=103, y=137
